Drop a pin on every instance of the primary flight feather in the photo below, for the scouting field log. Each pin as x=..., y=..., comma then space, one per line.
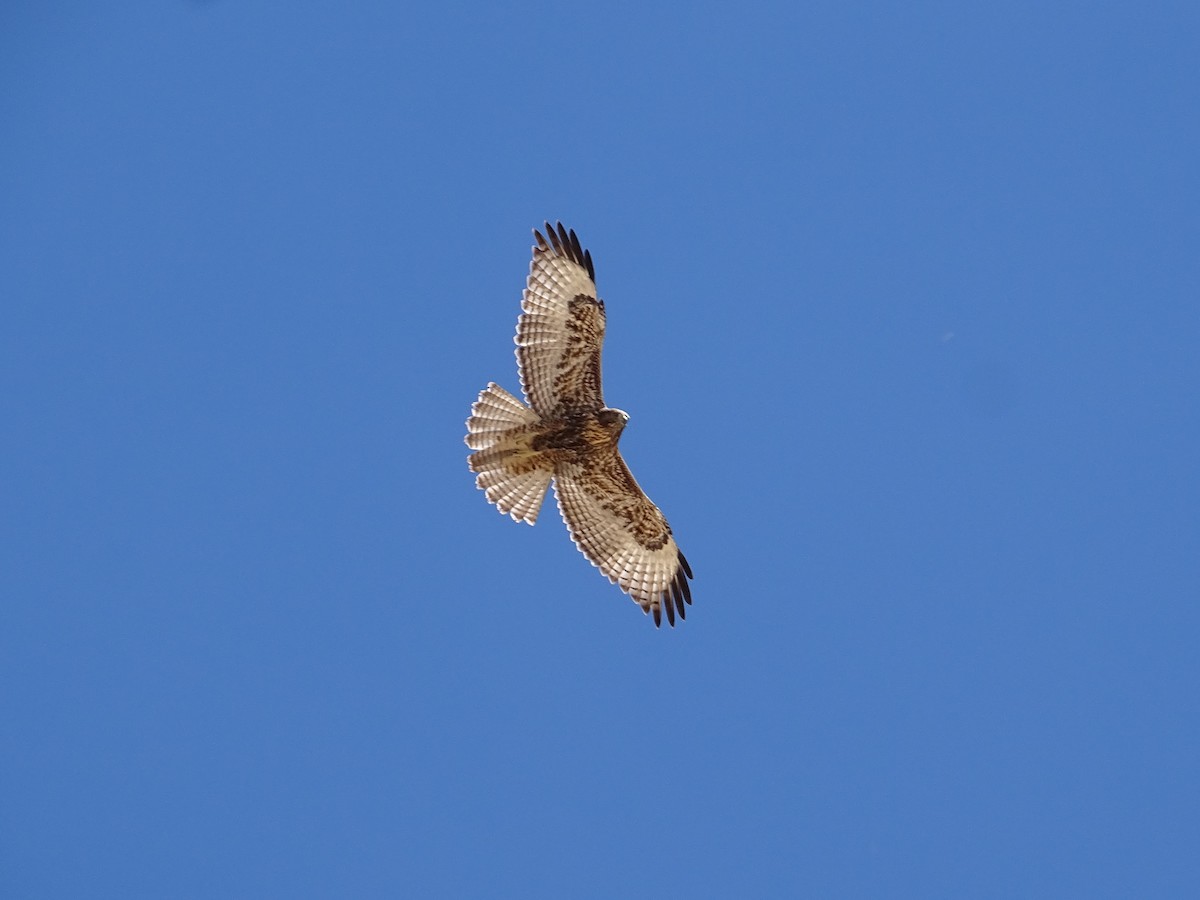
x=567, y=435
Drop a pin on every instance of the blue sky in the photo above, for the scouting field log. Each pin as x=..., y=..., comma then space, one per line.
x=903, y=302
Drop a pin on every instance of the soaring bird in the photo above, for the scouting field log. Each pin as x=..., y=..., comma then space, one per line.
x=564, y=433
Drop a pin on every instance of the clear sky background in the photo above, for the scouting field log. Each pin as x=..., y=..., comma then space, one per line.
x=903, y=299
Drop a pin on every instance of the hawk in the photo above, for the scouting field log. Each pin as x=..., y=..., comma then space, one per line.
x=567, y=435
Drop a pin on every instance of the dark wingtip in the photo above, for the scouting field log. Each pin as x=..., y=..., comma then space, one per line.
x=552, y=235
x=679, y=591
x=566, y=243
x=657, y=617
x=673, y=597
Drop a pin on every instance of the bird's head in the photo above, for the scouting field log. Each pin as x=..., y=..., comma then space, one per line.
x=614, y=420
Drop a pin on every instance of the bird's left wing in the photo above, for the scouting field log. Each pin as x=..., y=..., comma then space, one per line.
x=623, y=533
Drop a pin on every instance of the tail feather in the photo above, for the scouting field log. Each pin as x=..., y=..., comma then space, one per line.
x=511, y=474
x=495, y=412
x=519, y=494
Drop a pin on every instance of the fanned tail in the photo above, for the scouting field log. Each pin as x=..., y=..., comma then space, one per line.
x=494, y=413
x=511, y=474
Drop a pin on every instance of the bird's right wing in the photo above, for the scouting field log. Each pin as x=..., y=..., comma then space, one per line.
x=561, y=328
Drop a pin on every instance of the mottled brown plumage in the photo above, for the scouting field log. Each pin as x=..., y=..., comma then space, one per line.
x=567, y=434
